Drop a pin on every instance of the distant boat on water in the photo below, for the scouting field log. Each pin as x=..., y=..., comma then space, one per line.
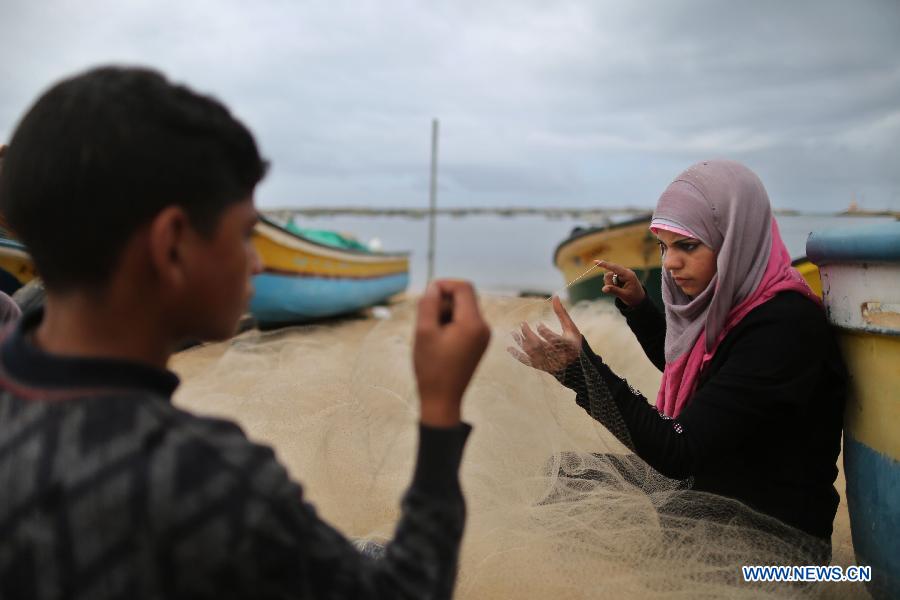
x=630, y=244
x=860, y=269
x=311, y=274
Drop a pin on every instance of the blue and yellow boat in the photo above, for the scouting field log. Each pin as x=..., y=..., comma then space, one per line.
x=860, y=270
x=16, y=266
x=304, y=279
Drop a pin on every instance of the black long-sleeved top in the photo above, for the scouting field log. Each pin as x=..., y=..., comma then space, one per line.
x=764, y=425
x=109, y=491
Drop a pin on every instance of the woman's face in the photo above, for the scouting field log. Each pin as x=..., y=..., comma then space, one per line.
x=691, y=262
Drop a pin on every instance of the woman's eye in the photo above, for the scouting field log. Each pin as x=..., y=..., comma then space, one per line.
x=689, y=247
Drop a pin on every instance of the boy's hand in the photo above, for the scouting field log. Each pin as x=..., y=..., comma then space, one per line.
x=451, y=336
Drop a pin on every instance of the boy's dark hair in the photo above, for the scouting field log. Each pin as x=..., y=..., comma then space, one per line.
x=100, y=154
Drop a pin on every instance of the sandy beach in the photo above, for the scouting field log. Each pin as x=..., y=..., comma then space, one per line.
x=337, y=403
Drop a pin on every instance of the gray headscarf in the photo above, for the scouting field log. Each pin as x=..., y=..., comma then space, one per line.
x=724, y=205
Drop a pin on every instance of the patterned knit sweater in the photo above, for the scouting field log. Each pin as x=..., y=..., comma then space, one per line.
x=109, y=491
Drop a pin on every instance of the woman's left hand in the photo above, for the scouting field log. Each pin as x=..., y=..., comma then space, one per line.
x=622, y=283
x=547, y=350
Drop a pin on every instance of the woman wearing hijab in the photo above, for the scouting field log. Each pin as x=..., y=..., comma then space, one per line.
x=752, y=395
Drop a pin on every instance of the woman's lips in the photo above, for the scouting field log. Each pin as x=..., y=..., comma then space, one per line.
x=681, y=280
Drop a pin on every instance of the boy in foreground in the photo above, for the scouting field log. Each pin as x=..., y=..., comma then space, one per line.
x=135, y=198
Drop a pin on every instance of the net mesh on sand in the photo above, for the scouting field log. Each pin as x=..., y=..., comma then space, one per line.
x=557, y=506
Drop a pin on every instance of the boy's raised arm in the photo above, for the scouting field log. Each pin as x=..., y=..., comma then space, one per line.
x=298, y=552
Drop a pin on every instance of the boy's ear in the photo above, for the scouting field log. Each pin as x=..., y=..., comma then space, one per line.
x=169, y=241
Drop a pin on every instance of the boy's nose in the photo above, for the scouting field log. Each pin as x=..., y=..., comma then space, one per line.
x=256, y=265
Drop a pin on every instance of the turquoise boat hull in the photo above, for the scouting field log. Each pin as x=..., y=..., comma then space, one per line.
x=873, y=490
x=288, y=298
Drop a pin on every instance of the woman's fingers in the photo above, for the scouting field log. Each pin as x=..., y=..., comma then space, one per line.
x=543, y=349
x=609, y=284
x=608, y=278
x=616, y=275
x=615, y=268
x=532, y=341
x=548, y=334
x=520, y=341
x=568, y=325
x=615, y=291
x=621, y=282
x=519, y=356
x=610, y=281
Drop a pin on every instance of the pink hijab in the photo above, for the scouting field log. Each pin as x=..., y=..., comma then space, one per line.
x=724, y=205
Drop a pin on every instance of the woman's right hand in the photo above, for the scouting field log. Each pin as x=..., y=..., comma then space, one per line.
x=547, y=350
x=629, y=289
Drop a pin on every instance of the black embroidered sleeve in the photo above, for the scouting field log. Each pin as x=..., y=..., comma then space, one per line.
x=757, y=383
x=593, y=394
x=648, y=324
x=625, y=412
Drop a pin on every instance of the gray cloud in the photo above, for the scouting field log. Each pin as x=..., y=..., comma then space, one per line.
x=571, y=102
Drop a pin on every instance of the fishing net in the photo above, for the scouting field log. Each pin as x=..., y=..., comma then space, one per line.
x=558, y=507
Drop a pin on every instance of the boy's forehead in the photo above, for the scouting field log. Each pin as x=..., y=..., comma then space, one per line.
x=238, y=214
x=243, y=208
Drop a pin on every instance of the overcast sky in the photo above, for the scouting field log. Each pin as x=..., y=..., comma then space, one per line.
x=579, y=103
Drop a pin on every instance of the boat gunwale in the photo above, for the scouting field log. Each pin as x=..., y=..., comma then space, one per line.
x=352, y=252
x=324, y=276
x=600, y=229
x=870, y=244
x=13, y=245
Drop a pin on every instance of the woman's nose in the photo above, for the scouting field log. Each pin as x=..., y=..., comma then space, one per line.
x=671, y=261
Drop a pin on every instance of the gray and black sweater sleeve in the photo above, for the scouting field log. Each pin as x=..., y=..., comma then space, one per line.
x=280, y=548
x=421, y=560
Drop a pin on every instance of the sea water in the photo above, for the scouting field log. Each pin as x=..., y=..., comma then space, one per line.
x=508, y=255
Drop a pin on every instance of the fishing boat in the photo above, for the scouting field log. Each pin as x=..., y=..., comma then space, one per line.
x=632, y=245
x=16, y=266
x=305, y=279
x=860, y=269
